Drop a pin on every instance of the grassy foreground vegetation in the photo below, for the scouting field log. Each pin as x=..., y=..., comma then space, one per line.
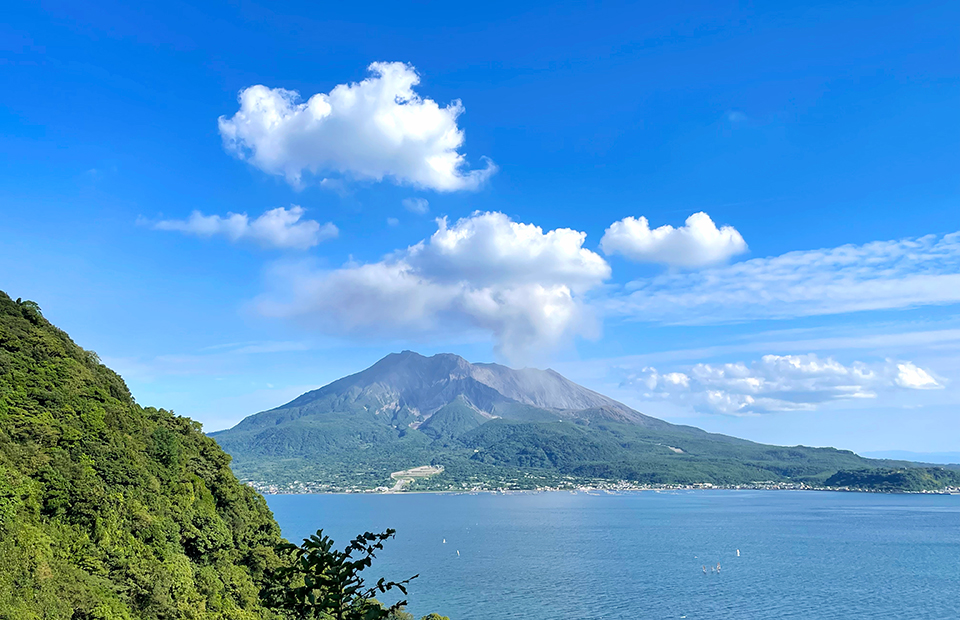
x=113, y=511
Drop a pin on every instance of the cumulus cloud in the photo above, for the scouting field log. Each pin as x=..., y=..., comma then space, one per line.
x=512, y=280
x=881, y=275
x=910, y=376
x=277, y=228
x=416, y=205
x=778, y=383
x=697, y=243
x=374, y=129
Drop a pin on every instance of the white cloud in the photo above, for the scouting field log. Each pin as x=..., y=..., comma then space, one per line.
x=778, y=383
x=392, y=221
x=416, y=205
x=490, y=249
x=379, y=127
x=697, y=243
x=875, y=276
x=911, y=376
x=512, y=280
x=277, y=228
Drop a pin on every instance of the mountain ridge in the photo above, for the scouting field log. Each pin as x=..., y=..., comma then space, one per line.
x=486, y=423
x=425, y=384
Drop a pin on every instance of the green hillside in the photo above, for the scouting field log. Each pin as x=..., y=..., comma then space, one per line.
x=529, y=454
x=904, y=479
x=109, y=510
x=452, y=420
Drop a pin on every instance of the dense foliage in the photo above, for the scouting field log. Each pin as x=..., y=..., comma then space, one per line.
x=325, y=582
x=109, y=510
x=113, y=511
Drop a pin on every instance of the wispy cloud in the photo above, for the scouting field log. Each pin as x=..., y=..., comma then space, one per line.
x=277, y=228
x=736, y=116
x=212, y=360
x=374, y=129
x=881, y=275
x=778, y=383
x=420, y=206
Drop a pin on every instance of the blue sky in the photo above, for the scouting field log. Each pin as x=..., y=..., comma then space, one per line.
x=815, y=301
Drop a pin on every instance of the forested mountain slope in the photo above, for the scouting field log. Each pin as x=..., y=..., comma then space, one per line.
x=109, y=510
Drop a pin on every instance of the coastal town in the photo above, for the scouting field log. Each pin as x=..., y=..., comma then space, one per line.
x=406, y=484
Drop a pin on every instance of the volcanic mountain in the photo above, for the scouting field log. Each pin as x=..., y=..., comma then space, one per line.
x=410, y=387
x=487, y=421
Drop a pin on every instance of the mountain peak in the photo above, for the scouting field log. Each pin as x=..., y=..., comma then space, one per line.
x=412, y=357
x=411, y=387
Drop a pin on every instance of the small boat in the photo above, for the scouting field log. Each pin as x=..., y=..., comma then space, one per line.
x=458, y=553
x=445, y=542
x=738, y=553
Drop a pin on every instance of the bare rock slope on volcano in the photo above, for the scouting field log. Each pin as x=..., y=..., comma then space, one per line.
x=410, y=386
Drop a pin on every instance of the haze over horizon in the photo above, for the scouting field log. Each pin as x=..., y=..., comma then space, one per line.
x=735, y=218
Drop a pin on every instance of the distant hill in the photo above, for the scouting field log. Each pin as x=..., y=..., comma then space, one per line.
x=486, y=423
x=109, y=510
x=943, y=458
x=915, y=479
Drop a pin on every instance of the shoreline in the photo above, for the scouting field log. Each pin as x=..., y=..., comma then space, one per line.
x=618, y=491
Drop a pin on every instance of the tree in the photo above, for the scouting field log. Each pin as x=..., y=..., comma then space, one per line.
x=326, y=583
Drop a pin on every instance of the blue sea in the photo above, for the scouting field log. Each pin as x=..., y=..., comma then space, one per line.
x=640, y=555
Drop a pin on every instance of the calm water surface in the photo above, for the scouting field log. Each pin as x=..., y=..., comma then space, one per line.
x=562, y=556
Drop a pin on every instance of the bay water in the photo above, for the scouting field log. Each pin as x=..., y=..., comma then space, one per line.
x=652, y=555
